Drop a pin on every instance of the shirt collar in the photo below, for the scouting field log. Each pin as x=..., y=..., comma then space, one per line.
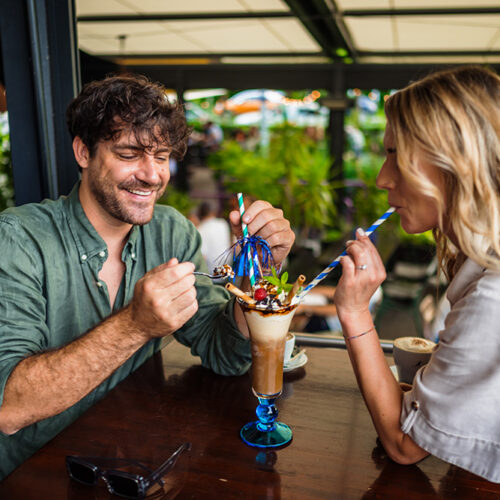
x=131, y=245
x=87, y=239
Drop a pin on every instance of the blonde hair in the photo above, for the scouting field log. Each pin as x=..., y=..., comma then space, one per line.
x=452, y=118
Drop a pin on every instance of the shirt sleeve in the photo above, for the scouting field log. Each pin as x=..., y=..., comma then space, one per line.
x=452, y=410
x=212, y=333
x=23, y=330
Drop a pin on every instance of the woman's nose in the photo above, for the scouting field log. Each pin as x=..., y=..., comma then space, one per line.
x=385, y=178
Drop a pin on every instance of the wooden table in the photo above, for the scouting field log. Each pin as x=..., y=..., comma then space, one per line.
x=172, y=399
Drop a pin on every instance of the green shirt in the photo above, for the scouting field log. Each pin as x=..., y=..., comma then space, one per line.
x=50, y=294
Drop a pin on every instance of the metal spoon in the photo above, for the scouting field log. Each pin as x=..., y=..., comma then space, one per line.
x=211, y=276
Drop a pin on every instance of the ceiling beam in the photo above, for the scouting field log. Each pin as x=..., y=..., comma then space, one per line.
x=318, y=20
x=426, y=53
x=343, y=30
x=290, y=76
x=458, y=11
x=188, y=16
x=207, y=55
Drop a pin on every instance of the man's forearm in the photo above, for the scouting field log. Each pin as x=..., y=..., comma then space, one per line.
x=46, y=384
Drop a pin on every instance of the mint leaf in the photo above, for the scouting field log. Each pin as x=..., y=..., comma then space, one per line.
x=273, y=280
x=284, y=278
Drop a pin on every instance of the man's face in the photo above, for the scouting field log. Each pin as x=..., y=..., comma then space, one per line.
x=126, y=180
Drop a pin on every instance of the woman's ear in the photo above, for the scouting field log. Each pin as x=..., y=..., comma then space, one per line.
x=81, y=152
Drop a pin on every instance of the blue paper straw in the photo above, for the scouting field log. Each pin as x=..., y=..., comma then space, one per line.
x=323, y=274
x=251, y=274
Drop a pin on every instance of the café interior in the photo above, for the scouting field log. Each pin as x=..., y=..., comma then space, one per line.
x=50, y=48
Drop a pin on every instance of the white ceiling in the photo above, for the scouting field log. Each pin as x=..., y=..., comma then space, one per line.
x=417, y=4
x=91, y=7
x=211, y=36
x=377, y=38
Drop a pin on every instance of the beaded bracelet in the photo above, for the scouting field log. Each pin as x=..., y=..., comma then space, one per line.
x=360, y=335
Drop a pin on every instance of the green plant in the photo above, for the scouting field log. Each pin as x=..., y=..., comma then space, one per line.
x=177, y=199
x=281, y=283
x=6, y=182
x=309, y=197
x=293, y=174
x=247, y=172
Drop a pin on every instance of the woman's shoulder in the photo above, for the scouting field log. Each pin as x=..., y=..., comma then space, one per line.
x=473, y=279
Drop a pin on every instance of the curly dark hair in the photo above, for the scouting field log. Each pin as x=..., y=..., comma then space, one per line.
x=107, y=107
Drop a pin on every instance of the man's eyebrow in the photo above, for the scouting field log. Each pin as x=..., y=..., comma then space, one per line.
x=163, y=149
x=135, y=147
x=127, y=146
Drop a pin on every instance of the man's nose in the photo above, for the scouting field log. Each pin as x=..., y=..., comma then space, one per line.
x=149, y=170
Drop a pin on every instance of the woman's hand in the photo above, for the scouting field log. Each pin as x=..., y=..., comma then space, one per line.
x=362, y=273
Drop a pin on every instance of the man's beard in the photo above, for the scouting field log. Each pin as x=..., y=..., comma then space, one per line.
x=130, y=213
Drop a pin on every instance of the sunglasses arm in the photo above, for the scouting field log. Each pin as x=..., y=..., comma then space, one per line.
x=169, y=463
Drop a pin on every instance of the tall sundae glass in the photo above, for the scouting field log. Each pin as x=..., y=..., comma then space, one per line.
x=268, y=329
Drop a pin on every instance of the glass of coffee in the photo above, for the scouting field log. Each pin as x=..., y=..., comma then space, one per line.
x=268, y=329
x=410, y=354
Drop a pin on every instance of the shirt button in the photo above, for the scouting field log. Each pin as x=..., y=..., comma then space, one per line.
x=83, y=257
x=415, y=406
x=99, y=284
x=102, y=254
x=132, y=255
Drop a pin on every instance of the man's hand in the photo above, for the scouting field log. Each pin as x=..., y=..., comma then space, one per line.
x=264, y=220
x=164, y=299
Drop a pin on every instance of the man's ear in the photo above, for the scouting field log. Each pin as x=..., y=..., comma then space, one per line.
x=81, y=152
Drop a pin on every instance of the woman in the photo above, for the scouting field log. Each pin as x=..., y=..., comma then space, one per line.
x=442, y=172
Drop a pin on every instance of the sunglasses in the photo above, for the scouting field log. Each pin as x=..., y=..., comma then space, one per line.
x=118, y=482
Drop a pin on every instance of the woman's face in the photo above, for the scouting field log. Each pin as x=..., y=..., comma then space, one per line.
x=418, y=213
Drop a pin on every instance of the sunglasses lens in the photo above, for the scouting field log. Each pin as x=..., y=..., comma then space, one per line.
x=83, y=473
x=124, y=486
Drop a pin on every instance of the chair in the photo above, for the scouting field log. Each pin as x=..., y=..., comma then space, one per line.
x=411, y=283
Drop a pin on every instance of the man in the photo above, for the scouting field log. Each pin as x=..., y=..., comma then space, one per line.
x=92, y=282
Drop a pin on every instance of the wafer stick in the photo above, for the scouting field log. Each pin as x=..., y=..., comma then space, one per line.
x=298, y=283
x=242, y=295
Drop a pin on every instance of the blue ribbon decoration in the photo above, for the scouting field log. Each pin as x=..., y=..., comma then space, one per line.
x=240, y=256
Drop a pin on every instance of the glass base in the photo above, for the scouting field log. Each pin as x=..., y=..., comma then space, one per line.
x=281, y=434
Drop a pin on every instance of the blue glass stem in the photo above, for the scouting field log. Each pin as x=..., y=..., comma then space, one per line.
x=266, y=432
x=267, y=414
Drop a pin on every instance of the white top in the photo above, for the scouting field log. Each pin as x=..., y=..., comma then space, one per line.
x=453, y=410
x=215, y=240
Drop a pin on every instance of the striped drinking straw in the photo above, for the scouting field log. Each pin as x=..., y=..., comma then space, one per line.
x=323, y=274
x=241, y=204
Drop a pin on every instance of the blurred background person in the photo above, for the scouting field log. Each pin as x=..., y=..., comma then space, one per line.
x=215, y=234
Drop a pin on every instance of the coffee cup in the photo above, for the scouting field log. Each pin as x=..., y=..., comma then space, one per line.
x=289, y=345
x=410, y=354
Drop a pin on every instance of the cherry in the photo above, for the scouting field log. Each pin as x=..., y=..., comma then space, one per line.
x=260, y=294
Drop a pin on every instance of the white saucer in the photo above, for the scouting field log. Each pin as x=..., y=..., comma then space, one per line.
x=296, y=362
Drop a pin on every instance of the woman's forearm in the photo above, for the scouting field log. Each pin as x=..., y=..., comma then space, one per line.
x=380, y=390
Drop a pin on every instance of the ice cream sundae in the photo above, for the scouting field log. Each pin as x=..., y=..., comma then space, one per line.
x=268, y=313
x=224, y=271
